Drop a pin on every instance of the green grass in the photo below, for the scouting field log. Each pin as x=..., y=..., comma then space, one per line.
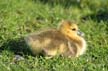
x=21, y=17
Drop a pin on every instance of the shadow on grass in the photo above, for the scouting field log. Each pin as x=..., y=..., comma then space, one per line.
x=18, y=46
x=64, y=3
x=99, y=16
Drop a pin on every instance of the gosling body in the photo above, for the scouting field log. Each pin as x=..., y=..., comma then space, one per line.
x=64, y=41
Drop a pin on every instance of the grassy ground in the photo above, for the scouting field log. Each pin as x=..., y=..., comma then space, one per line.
x=21, y=17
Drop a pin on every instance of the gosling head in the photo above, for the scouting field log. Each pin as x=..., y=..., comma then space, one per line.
x=70, y=27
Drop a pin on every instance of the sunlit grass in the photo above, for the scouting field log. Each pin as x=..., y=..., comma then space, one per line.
x=21, y=17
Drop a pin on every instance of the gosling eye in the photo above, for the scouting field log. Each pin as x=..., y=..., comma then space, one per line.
x=73, y=29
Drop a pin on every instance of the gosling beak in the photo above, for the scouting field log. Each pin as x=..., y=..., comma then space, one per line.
x=80, y=33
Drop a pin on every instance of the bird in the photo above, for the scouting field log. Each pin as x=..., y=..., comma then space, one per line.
x=66, y=40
